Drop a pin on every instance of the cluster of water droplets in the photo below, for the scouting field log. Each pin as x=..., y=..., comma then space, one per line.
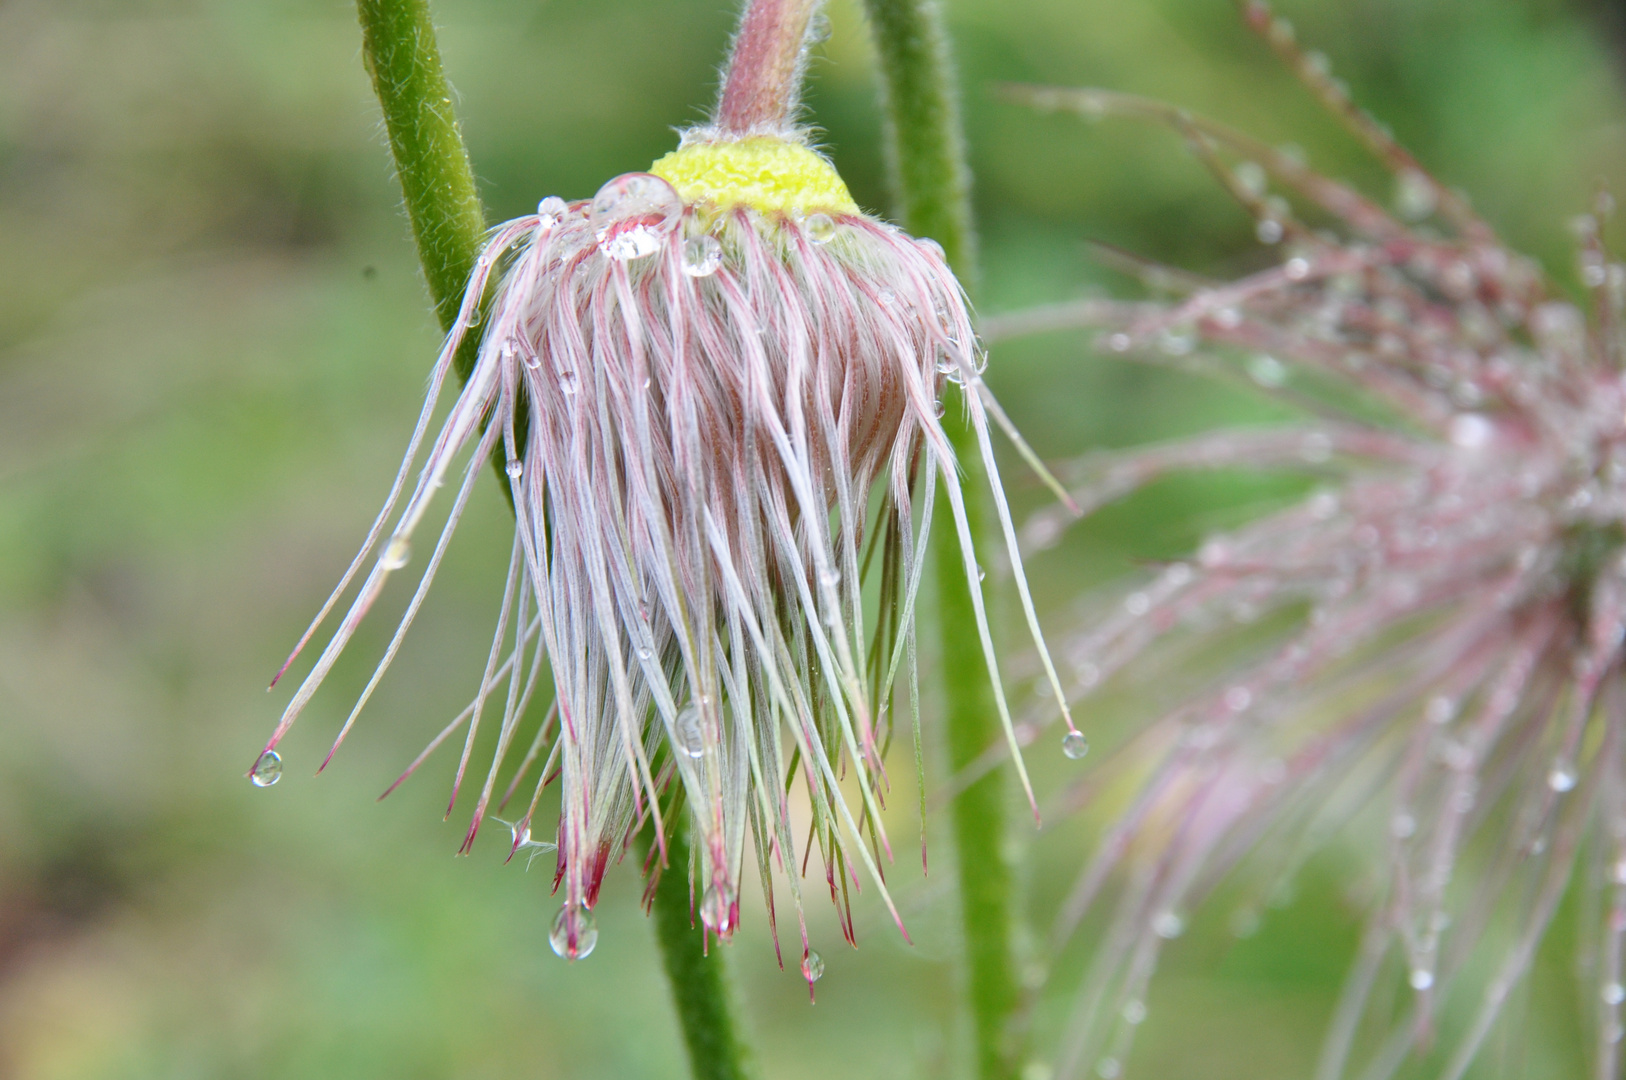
x=633, y=215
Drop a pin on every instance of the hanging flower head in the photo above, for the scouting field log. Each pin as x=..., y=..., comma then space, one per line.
x=717, y=389
x=1438, y=626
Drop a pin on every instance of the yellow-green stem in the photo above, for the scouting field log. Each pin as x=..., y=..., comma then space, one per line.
x=400, y=52
x=926, y=154
x=699, y=981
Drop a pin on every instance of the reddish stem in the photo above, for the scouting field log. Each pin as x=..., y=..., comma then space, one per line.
x=765, y=70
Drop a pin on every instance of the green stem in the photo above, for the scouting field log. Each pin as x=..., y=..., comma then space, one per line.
x=925, y=146
x=400, y=52
x=926, y=154
x=401, y=55
x=699, y=982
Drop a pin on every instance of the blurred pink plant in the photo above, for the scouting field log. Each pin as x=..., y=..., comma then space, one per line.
x=1440, y=621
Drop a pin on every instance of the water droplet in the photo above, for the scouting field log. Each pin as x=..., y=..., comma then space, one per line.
x=1415, y=196
x=568, y=383
x=887, y=297
x=690, y=739
x=1108, y=1068
x=267, y=769
x=1269, y=231
x=702, y=255
x=1421, y=978
x=1402, y=826
x=717, y=909
x=1322, y=505
x=1134, y=1011
x=396, y=553
x=812, y=966
x=644, y=652
x=1244, y=922
x=551, y=210
x=1440, y=709
x=1470, y=431
x=1168, y=924
x=1266, y=370
x=1075, y=745
x=515, y=468
x=632, y=215
x=1119, y=342
x=830, y=578
x=1238, y=698
x=931, y=247
x=820, y=228
x=1562, y=776
x=1613, y=993
x=1251, y=178
x=982, y=575
x=1617, y=873
x=1174, y=343
x=1296, y=269
x=1137, y=603
x=578, y=921
x=818, y=29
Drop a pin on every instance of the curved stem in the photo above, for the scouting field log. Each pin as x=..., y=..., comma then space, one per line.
x=401, y=55
x=699, y=982
x=926, y=155
x=399, y=50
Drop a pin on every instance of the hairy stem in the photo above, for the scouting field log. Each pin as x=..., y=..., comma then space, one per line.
x=926, y=155
x=699, y=982
x=764, y=80
x=401, y=55
x=925, y=147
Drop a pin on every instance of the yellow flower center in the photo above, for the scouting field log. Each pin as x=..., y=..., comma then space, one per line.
x=766, y=174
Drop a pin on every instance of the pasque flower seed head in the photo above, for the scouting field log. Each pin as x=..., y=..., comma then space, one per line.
x=718, y=389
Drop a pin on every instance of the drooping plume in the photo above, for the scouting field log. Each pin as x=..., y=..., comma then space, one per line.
x=717, y=388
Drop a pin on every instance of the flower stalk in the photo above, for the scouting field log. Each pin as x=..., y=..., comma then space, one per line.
x=699, y=980
x=763, y=86
x=931, y=182
x=402, y=56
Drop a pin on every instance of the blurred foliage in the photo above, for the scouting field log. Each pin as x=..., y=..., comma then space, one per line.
x=212, y=341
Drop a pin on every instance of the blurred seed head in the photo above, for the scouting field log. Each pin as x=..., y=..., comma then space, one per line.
x=1434, y=631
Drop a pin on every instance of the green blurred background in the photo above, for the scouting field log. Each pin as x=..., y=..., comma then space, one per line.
x=213, y=339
